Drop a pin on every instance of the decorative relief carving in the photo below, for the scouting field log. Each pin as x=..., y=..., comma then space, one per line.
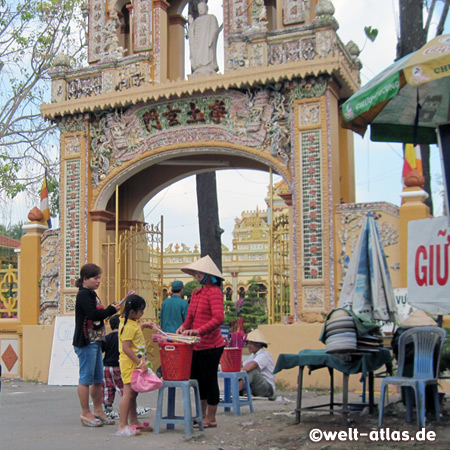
x=97, y=20
x=50, y=263
x=71, y=124
x=72, y=145
x=278, y=130
x=142, y=24
x=108, y=80
x=257, y=55
x=326, y=42
x=309, y=114
x=314, y=298
x=292, y=50
x=351, y=217
x=294, y=11
x=132, y=75
x=111, y=48
x=58, y=90
x=237, y=56
x=258, y=16
x=69, y=303
x=239, y=16
x=258, y=119
x=310, y=87
x=84, y=87
x=308, y=48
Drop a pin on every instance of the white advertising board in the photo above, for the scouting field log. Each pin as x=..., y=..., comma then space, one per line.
x=63, y=362
x=428, y=265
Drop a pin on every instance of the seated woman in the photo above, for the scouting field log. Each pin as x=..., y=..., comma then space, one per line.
x=259, y=367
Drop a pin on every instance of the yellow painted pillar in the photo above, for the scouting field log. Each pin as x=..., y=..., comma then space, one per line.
x=412, y=208
x=30, y=273
x=176, y=47
x=160, y=8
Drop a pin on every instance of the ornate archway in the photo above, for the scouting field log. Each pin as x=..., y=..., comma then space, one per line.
x=123, y=123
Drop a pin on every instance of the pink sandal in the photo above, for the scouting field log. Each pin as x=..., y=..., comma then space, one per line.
x=128, y=432
x=144, y=426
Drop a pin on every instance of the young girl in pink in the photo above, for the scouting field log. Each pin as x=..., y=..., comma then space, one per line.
x=132, y=349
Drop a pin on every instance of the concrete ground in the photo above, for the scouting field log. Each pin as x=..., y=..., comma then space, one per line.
x=36, y=416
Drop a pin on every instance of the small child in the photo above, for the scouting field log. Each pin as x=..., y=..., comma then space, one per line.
x=132, y=351
x=112, y=378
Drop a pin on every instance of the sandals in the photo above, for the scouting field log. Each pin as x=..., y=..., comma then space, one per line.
x=91, y=423
x=145, y=427
x=106, y=420
x=128, y=432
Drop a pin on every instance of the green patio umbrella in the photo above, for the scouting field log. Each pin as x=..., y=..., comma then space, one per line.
x=408, y=100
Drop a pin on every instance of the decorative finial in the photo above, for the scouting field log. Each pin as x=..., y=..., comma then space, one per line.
x=324, y=15
x=35, y=215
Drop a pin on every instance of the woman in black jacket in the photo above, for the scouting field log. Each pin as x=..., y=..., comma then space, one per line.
x=87, y=341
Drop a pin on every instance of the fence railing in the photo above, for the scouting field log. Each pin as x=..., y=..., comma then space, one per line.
x=9, y=300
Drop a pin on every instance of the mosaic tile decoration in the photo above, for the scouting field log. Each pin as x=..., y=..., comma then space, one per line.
x=157, y=32
x=97, y=20
x=51, y=266
x=330, y=256
x=294, y=11
x=309, y=114
x=72, y=145
x=72, y=210
x=69, y=303
x=311, y=186
x=239, y=16
x=314, y=298
x=250, y=119
x=142, y=24
x=292, y=50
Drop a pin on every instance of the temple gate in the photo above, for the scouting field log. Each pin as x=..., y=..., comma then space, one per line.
x=133, y=121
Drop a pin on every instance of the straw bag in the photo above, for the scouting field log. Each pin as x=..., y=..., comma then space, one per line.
x=145, y=381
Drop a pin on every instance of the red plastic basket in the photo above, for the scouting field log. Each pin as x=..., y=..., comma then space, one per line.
x=176, y=360
x=231, y=359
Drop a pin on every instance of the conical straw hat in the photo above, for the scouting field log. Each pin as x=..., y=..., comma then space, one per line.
x=257, y=336
x=204, y=265
x=419, y=318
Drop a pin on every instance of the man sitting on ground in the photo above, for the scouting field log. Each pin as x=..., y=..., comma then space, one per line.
x=259, y=367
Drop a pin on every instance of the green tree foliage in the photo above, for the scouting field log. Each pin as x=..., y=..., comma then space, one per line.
x=231, y=312
x=13, y=231
x=253, y=309
x=190, y=287
x=32, y=33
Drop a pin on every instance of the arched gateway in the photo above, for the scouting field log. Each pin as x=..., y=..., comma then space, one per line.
x=132, y=120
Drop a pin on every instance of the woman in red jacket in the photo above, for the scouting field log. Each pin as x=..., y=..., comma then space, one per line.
x=205, y=315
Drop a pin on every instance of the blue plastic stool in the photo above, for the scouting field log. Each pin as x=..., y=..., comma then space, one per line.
x=171, y=419
x=231, y=392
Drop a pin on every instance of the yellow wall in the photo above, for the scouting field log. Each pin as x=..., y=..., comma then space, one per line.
x=293, y=339
x=37, y=349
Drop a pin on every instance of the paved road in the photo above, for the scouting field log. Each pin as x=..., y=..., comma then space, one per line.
x=40, y=417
